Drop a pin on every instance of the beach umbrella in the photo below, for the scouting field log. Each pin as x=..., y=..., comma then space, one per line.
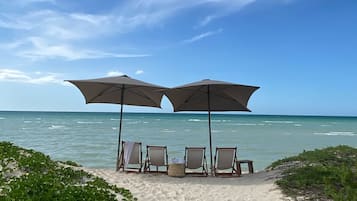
x=210, y=95
x=122, y=90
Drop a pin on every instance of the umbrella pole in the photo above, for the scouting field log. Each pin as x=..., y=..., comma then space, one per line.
x=121, y=119
x=209, y=128
x=210, y=139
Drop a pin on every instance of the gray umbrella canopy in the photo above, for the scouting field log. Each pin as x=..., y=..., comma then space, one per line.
x=121, y=90
x=210, y=95
x=110, y=89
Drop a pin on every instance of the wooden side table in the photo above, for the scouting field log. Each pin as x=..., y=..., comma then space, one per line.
x=250, y=166
x=176, y=170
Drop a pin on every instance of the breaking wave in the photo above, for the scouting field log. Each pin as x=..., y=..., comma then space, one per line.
x=53, y=127
x=337, y=133
x=167, y=131
x=89, y=122
x=279, y=122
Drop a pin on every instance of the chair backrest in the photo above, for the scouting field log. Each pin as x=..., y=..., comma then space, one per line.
x=194, y=157
x=135, y=156
x=157, y=155
x=225, y=157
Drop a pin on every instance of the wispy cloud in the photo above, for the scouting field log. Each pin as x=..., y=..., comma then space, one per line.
x=13, y=75
x=202, y=36
x=114, y=73
x=138, y=72
x=225, y=8
x=48, y=34
x=207, y=20
x=27, y=2
x=73, y=35
x=37, y=48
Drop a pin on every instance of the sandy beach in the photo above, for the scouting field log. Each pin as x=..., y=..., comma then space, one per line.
x=249, y=187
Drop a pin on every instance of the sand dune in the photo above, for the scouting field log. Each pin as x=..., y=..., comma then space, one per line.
x=258, y=186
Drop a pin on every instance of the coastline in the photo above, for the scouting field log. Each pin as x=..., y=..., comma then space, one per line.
x=259, y=186
x=204, y=114
x=90, y=138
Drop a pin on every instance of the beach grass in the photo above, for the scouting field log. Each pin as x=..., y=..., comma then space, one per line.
x=322, y=174
x=30, y=175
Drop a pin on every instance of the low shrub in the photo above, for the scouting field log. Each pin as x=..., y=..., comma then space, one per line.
x=324, y=174
x=30, y=175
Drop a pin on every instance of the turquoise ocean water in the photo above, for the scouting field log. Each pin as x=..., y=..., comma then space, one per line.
x=91, y=138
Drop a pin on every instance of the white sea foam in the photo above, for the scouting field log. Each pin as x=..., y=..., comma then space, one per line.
x=53, y=127
x=245, y=124
x=297, y=125
x=145, y=122
x=114, y=128
x=195, y=120
x=1, y=118
x=27, y=122
x=168, y=131
x=279, y=122
x=218, y=120
x=112, y=119
x=337, y=133
x=324, y=125
x=89, y=122
x=132, y=122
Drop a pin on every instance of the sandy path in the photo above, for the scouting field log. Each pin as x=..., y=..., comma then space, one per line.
x=258, y=186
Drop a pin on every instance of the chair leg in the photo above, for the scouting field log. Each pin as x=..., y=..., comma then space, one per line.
x=145, y=167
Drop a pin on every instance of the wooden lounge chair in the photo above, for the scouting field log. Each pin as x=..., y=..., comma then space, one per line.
x=130, y=159
x=156, y=156
x=225, y=159
x=195, y=158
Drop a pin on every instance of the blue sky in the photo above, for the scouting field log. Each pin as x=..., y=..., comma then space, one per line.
x=302, y=53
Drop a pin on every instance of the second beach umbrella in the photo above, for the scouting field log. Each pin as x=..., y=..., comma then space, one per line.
x=122, y=90
x=210, y=95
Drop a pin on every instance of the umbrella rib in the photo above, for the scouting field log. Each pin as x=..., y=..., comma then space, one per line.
x=102, y=92
x=147, y=97
x=138, y=94
x=222, y=95
x=116, y=89
x=225, y=95
x=191, y=95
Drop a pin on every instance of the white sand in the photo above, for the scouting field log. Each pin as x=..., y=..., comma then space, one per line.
x=258, y=186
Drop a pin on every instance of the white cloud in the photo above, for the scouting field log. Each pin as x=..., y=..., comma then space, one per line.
x=125, y=18
x=35, y=48
x=226, y=7
x=12, y=75
x=207, y=20
x=138, y=72
x=50, y=34
x=202, y=36
x=27, y=2
x=68, y=31
x=114, y=73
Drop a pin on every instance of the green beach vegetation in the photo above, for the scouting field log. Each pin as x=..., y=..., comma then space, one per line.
x=322, y=174
x=30, y=175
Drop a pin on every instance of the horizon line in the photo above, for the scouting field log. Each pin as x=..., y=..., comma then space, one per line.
x=182, y=113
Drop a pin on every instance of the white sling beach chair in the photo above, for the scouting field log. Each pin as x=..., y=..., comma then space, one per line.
x=156, y=156
x=130, y=157
x=225, y=159
x=195, y=158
